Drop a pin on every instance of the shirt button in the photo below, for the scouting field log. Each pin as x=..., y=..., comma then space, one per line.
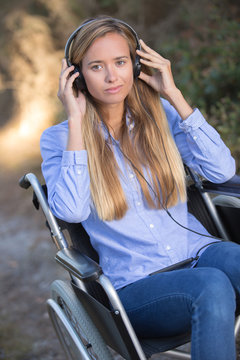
x=168, y=247
x=131, y=176
x=138, y=203
x=151, y=226
x=79, y=172
x=195, y=138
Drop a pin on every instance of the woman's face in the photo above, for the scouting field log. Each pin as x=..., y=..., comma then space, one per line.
x=107, y=69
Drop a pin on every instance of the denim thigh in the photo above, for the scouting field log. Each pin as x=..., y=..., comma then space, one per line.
x=224, y=256
x=166, y=304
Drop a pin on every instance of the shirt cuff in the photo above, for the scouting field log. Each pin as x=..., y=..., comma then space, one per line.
x=74, y=157
x=193, y=121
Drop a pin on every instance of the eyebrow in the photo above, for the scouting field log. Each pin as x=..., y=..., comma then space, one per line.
x=100, y=61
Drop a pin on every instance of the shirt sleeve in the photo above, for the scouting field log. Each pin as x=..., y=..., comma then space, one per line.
x=66, y=175
x=200, y=145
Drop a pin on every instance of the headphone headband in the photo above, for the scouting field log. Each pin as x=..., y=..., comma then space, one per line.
x=71, y=38
x=75, y=32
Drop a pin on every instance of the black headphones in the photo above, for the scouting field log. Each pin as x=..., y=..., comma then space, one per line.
x=80, y=81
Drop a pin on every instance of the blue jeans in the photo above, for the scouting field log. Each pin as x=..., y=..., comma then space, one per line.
x=200, y=299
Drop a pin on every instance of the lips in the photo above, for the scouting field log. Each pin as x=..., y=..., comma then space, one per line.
x=113, y=90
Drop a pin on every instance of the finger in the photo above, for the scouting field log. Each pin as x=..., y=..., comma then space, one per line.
x=64, y=76
x=64, y=66
x=71, y=79
x=66, y=71
x=64, y=63
x=151, y=57
x=161, y=65
x=147, y=49
x=144, y=77
x=65, y=84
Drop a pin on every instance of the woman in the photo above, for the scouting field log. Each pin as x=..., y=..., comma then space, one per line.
x=116, y=165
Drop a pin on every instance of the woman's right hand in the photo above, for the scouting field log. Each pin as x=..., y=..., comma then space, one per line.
x=75, y=106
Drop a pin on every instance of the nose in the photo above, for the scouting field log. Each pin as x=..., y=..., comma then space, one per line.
x=111, y=74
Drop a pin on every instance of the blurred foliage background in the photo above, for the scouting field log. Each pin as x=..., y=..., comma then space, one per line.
x=201, y=39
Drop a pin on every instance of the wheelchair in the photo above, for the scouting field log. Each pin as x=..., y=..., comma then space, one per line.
x=86, y=312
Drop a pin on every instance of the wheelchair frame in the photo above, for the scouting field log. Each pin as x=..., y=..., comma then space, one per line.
x=83, y=270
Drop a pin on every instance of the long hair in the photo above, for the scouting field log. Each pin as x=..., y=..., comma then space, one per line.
x=150, y=145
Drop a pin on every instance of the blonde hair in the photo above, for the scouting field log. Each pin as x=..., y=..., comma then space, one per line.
x=150, y=146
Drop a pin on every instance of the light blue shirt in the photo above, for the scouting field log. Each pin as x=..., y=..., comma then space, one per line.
x=144, y=240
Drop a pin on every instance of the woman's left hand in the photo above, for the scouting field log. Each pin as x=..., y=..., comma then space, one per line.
x=162, y=80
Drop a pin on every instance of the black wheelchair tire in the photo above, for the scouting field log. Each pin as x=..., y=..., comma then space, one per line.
x=63, y=294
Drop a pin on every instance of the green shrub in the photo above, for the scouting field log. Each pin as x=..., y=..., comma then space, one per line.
x=206, y=69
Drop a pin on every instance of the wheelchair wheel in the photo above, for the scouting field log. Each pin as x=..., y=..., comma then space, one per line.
x=89, y=344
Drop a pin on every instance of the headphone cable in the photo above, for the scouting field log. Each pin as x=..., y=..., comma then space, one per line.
x=150, y=186
x=164, y=208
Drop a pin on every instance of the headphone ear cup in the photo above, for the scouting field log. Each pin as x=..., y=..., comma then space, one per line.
x=136, y=67
x=79, y=82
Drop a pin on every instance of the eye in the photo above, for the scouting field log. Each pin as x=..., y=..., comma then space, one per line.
x=121, y=62
x=96, y=67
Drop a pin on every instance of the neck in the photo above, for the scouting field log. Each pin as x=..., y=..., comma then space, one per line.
x=112, y=115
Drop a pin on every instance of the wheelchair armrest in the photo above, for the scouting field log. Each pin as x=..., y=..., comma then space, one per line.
x=24, y=182
x=78, y=264
x=230, y=187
